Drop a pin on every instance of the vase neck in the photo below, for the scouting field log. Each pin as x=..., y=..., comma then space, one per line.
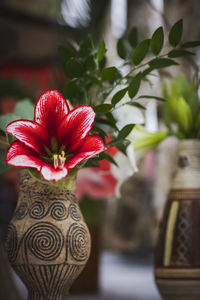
x=34, y=190
x=188, y=165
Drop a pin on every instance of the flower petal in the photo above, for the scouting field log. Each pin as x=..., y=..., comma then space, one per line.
x=30, y=133
x=76, y=126
x=50, y=110
x=91, y=146
x=51, y=174
x=19, y=155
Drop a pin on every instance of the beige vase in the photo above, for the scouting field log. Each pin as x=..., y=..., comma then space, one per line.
x=177, y=256
x=48, y=242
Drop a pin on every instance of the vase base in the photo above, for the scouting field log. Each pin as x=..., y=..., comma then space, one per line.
x=179, y=289
x=35, y=296
x=48, y=282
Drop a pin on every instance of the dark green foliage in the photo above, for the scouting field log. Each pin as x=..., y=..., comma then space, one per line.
x=103, y=108
x=159, y=63
x=101, y=51
x=134, y=85
x=191, y=44
x=124, y=132
x=118, y=96
x=109, y=73
x=178, y=53
x=157, y=40
x=175, y=33
x=73, y=68
x=133, y=37
x=90, y=81
x=86, y=47
x=140, y=51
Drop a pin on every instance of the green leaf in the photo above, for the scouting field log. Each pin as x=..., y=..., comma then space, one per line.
x=122, y=146
x=109, y=73
x=103, y=108
x=107, y=157
x=157, y=40
x=3, y=166
x=121, y=49
x=6, y=119
x=136, y=104
x=152, y=97
x=73, y=68
x=112, y=121
x=70, y=90
x=191, y=44
x=101, y=51
x=118, y=96
x=133, y=37
x=159, y=63
x=100, y=131
x=65, y=53
x=179, y=52
x=146, y=72
x=140, y=51
x=94, y=80
x=90, y=63
x=25, y=109
x=175, y=33
x=102, y=63
x=105, y=122
x=124, y=132
x=91, y=163
x=134, y=85
x=86, y=47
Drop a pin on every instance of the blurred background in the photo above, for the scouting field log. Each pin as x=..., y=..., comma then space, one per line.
x=123, y=227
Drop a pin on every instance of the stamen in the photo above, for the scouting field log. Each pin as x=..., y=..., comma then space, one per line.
x=62, y=160
x=63, y=153
x=55, y=160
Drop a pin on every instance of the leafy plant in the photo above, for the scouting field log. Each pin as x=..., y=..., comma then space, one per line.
x=180, y=114
x=181, y=111
x=90, y=81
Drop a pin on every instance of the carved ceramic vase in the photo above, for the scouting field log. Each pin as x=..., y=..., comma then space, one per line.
x=48, y=242
x=177, y=259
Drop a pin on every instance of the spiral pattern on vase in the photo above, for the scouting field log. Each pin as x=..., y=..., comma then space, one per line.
x=37, y=210
x=44, y=240
x=21, y=211
x=74, y=213
x=58, y=211
x=77, y=241
x=11, y=243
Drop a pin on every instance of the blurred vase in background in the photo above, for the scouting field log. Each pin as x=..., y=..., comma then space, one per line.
x=177, y=256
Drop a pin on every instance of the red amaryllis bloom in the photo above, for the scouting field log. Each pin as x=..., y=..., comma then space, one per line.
x=57, y=140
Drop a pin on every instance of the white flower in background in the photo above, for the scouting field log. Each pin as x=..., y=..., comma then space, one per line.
x=126, y=114
x=145, y=140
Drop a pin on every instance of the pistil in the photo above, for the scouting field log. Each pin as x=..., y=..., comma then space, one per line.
x=55, y=161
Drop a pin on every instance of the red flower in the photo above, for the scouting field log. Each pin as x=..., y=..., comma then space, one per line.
x=97, y=182
x=57, y=140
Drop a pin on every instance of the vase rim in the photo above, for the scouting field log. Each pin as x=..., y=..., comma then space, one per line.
x=189, y=142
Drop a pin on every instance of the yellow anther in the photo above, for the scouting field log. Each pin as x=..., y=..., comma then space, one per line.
x=59, y=160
